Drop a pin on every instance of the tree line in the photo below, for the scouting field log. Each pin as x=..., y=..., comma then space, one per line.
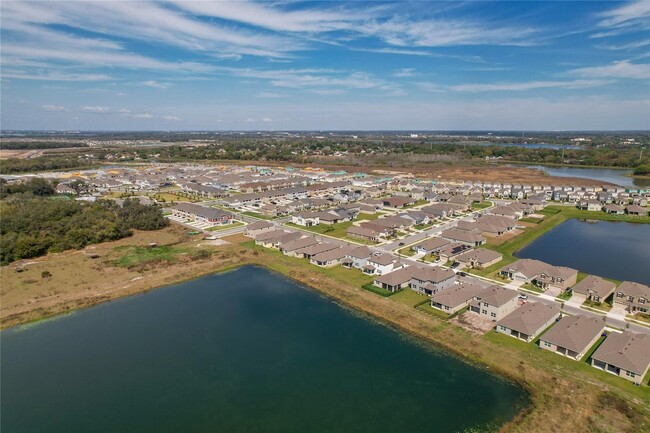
x=33, y=225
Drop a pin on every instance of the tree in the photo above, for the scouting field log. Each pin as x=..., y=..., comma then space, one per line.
x=46, y=274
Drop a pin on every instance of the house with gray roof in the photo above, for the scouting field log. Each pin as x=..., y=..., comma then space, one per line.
x=331, y=257
x=528, y=321
x=396, y=280
x=291, y=248
x=258, y=227
x=625, y=354
x=431, y=280
x=193, y=212
x=540, y=274
x=572, y=336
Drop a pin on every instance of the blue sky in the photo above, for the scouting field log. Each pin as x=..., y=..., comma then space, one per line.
x=325, y=65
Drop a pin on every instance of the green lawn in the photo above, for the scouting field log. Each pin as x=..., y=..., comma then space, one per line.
x=641, y=317
x=378, y=290
x=409, y=297
x=406, y=251
x=481, y=205
x=226, y=227
x=532, y=288
x=257, y=215
x=602, y=306
x=427, y=308
x=565, y=295
x=368, y=216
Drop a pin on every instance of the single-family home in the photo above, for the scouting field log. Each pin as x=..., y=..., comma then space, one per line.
x=291, y=248
x=529, y=320
x=590, y=205
x=382, y=263
x=540, y=274
x=398, y=201
x=455, y=297
x=314, y=249
x=614, y=209
x=193, y=212
x=331, y=257
x=635, y=209
x=572, y=336
x=624, y=354
x=396, y=280
x=256, y=228
x=357, y=258
x=463, y=236
x=594, y=288
x=635, y=296
x=479, y=258
x=306, y=219
x=431, y=280
x=430, y=246
x=494, y=303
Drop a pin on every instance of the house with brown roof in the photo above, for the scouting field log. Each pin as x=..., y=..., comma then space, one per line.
x=495, y=302
x=463, y=236
x=314, y=249
x=625, y=354
x=382, y=263
x=594, y=288
x=528, y=321
x=452, y=250
x=330, y=258
x=431, y=245
x=540, y=274
x=398, y=201
x=396, y=280
x=193, y=212
x=572, y=336
x=635, y=296
x=291, y=248
x=431, y=280
x=479, y=258
x=455, y=297
x=256, y=228
x=635, y=209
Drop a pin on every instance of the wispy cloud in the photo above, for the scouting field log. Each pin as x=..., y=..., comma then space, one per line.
x=55, y=108
x=529, y=85
x=172, y=118
x=96, y=109
x=404, y=72
x=622, y=69
x=628, y=15
x=271, y=95
x=156, y=84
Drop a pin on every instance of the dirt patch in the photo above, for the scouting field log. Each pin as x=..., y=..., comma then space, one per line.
x=473, y=322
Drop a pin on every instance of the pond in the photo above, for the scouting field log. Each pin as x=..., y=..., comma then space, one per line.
x=616, y=250
x=610, y=175
x=244, y=351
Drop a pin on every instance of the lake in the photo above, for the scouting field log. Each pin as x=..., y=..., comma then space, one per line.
x=616, y=250
x=244, y=351
x=610, y=175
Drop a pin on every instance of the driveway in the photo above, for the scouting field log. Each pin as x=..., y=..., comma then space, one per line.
x=576, y=300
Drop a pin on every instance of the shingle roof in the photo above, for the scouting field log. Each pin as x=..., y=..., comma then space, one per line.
x=574, y=332
x=456, y=295
x=593, y=284
x=530, y=317
x=497, y=295
x=626, y=350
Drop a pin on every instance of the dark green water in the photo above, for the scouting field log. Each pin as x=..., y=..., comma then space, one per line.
x=245, y=351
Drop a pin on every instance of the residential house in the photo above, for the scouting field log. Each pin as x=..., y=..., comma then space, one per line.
x=382, y=263
x=594, y=288
x=357, y=258
x=456, y=297
x=635, y=296
x=193, y=212
x=291, y=248
x=529, y=320
x=315, y=249
x=463, y=236
x=330, y=258
x=479, y=258
x=540, y=274
x=624, y=354
x=614, y=209
x=306, y=219
x=572, y=336
x=398, y=201
x=430, y=246
x=431, y=280
x=635, y=209
x=396, y=280
x=590, y=205
x=256, y=228
x=494, y=303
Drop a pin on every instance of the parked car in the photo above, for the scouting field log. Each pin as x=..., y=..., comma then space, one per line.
x=455, y=265
x=523, y=297
x=462, y=274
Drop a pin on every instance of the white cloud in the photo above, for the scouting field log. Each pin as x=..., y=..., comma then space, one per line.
x=625, y=47
x=96, y=109
x=156, y=84
x=172, y=118
x=404, y=72
x=629, y=14
x=622, y=69
x=271, y=95
x=431, y=87
x=528, y=85
x=266, y=119
x=142, y=116
x=58, y=108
